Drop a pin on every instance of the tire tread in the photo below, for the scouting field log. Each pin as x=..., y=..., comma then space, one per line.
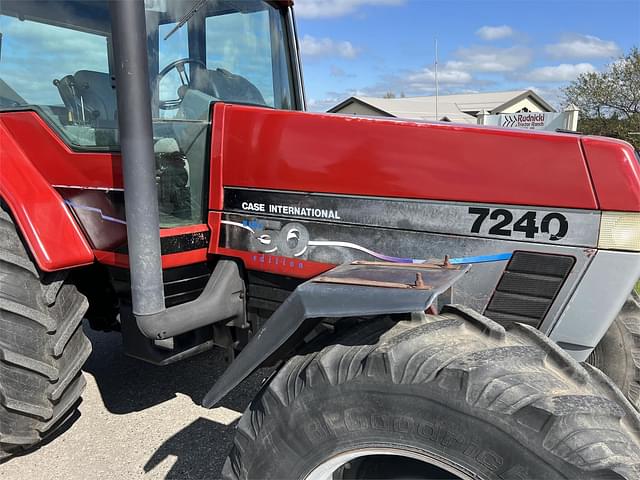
x=44, y=340
x=516, y=375
x=618, y=353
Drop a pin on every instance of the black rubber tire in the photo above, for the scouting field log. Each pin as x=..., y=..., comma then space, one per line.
x=456, y=386
x=618, y=353
x=42, y=346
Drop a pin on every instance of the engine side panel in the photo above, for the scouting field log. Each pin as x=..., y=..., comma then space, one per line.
x=261, y=227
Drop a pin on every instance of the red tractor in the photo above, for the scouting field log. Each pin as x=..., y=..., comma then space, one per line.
x=426, y=291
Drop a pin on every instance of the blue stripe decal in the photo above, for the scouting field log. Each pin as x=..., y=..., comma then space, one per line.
x=96, y=210
x=481, y=259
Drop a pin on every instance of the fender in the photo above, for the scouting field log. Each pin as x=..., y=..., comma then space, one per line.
x=359, y=289
x=52, y=234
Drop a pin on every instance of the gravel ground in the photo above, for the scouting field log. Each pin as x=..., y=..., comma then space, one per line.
x=140, y=421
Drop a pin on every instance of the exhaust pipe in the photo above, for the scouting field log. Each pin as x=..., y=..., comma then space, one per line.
x=138, y=160
x=223, y=296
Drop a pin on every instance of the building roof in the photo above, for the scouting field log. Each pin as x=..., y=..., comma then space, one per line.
x=461, y=108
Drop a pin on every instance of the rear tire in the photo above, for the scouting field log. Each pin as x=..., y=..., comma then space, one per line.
x=455, y=390
x=42, y=346
x=618, y=353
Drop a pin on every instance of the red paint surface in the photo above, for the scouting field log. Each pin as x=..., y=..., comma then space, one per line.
x=56, y=162
x=51, y=232
x=615, y=171
x=286, y=150
x=214, y=220
x=216, y=187
x=168, y=261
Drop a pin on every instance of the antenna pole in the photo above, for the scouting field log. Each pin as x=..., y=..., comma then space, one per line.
x=436, y=72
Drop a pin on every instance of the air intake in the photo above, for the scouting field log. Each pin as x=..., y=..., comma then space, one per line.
x=528, y=287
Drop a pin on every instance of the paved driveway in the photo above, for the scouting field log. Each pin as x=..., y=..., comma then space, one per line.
x=140, y=421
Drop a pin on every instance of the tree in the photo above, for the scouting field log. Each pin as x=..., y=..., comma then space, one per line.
x=609, y=101
x=389, y=95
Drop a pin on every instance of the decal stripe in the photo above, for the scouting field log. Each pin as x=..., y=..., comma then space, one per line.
x=266, y=240
x=238, y=224
x=95, y=210
x=321, y=243
x=499, y=257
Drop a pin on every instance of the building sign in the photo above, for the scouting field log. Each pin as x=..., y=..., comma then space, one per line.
x=529, y=120
x=549, y=121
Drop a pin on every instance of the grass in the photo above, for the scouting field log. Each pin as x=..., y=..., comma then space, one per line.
x=638, y=287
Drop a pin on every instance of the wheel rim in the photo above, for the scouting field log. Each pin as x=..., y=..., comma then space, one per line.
x=332, y=466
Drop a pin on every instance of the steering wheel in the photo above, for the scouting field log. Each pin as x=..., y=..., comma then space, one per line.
x=184, y=79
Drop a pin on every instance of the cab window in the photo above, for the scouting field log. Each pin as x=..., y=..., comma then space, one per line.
x=64, y=72
x=238, y=47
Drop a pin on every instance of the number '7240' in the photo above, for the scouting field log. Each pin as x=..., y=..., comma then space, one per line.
x=553, y=225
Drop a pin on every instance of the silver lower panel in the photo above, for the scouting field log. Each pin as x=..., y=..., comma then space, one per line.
x=321, y=242
x=596, y=302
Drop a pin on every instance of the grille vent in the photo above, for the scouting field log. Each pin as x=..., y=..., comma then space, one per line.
x=528, y=287
x=181, y=284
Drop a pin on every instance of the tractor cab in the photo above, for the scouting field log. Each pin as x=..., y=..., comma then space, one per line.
x=57, y=59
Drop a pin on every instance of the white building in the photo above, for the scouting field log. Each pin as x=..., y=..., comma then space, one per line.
x=462, y=108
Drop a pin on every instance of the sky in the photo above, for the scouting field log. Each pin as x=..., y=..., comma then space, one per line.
x=371, y=47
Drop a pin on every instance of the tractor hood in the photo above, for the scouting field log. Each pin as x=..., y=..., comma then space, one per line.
x=367, y=156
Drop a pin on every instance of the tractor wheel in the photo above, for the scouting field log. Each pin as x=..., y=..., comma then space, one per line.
x=618, y=353
x=446, y=396
x=42, y=346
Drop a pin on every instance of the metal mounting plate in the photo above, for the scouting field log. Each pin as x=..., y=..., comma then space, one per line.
x=388, y=275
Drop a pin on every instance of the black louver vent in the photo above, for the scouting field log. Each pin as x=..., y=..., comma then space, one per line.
x=181, y=284
x=528, y=287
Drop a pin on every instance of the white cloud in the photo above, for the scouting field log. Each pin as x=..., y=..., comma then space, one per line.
x=456, y=74
x=324, y=47
x=422, y=82
x=490, y=59
x=336, y=8
x=583, y=46
x=494, y=32
x=564, y=72
x=446, y=76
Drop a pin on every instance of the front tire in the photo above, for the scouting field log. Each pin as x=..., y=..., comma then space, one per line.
x=454, y=392
x=618, y=353
x=42, y=346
